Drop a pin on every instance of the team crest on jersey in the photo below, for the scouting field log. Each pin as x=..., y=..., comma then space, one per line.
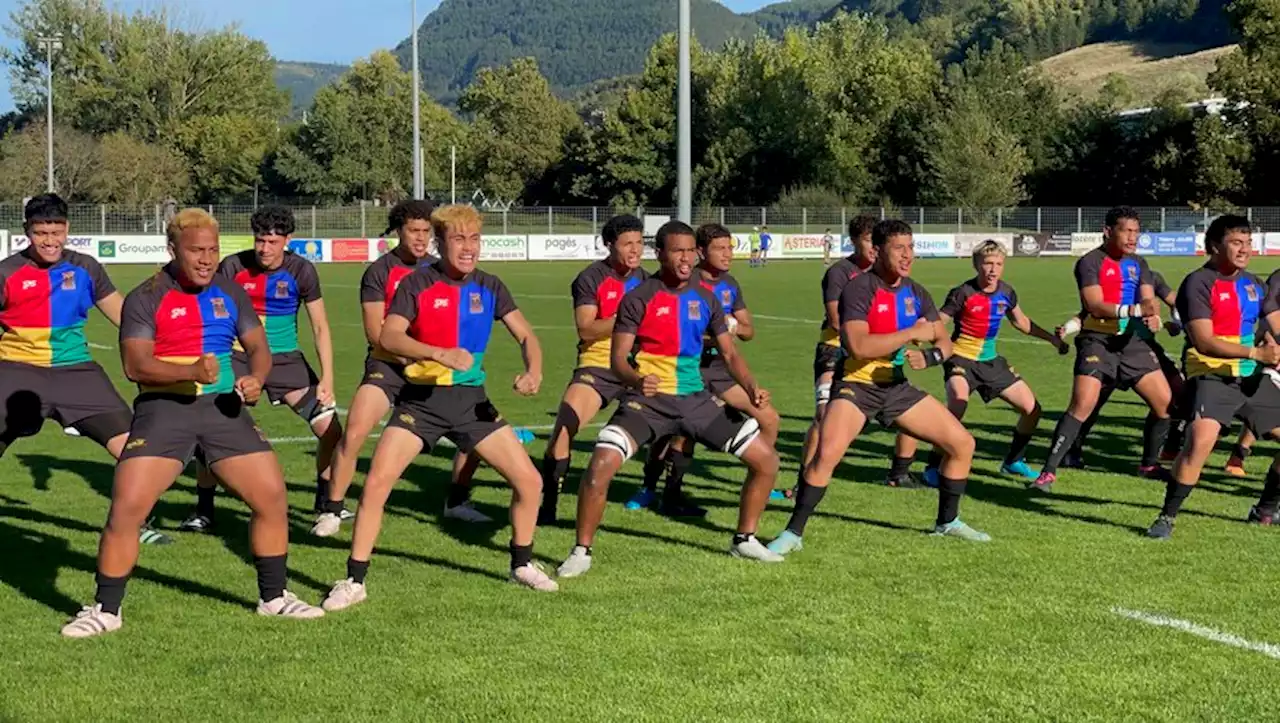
x=909, y=305
x=1251, y=291
x=219, y=308
x=1133, y=273
x=282, y=289
x=68, y=281
x=695, y=311
x=1001, y=307
x=477, y=303
x=726, y=297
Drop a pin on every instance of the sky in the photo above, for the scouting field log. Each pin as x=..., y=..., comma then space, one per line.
x=333, y=31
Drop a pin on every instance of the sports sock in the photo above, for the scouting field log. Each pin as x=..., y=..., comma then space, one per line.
x=680, y=462
x=741, y=537
x=653, y=468
x=1017, y=448
x=333, y=507
x=204, y=501
x=807, y=500
x=322, y=492
x=357, y=569
x=273, y=572
x=458, y=494
x=901, y=466
x=1063, y=436
x=1174, y=495
x=934, y=462
x=1242, y=452
x=553, y=471
x=1270, y=499
x=110, y=592
x=1154, y=431
x=1177, y=433
x=521, y=555
x=949, y=493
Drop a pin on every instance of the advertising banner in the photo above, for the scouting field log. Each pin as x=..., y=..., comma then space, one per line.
x=580, y=247
x=967, y=242
x=1271, y=243
x=1030, y=244
x=350, y=250
x=504, y=248
x=1059, y=245
x=133, y=250
x=234, y=244
x=935, y=244
x=83, y=244
x=799, y=246
x=310, y=249
x=1083, y=243
x=4, y=243
x=742, y=245
x=1167, y=244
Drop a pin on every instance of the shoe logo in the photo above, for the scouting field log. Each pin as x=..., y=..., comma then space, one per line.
x=137, y=443
x=406, y=418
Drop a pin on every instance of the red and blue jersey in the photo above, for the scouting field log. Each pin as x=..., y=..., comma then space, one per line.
x=276, y=294
x=451, y=314
x=379, y=283
x=1236, y=305
x=669, y=325
x=601, y=286
x=185, y=323
x=978, y=316
x=886, y=310
x=834, y=280
x=728, y=292
x=1121, y=281
x=43, y=309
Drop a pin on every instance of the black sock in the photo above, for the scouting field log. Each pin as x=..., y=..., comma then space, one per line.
x=333, y=507
x=653, y=469
x=458, y=494
x=322, y=492
x=356, y=569
x=1174, y=495
x=949, y=493
x=521, y=555
x=553, y=471
x=1270, y=499
x=273, y=573
x=1177, y=433
x=902, y=465
x=675, y=478
x=1242, y=452
x=110, y=592
x=1017, y=448
x=807, y=500
x=1063, y=436
x=204, y=501
x=1154, y=431
x=935, y=460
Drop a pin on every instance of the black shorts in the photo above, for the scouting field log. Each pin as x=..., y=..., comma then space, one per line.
x=78, y=395
x=463, y=414
x=1119, y=361
x=174, y=426
x=881, y=402
x=1168, y=367
x=602, y=381
x=988, y=378
x=826, y=360
x=717, y=379
x=289, y=372
x=699, y=416
x=1255, y=400
x=386, y=376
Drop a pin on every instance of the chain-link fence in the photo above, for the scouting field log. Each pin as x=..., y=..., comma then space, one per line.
x=369, y=220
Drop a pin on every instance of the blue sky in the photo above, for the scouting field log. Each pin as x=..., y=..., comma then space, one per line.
x=333, y=31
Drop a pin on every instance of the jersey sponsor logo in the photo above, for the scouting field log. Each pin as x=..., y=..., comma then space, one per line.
x=219, y=308
x=882, y=307
x=440, y=304
x=179, y=311
x=68, y=281
x=611, y=295
x=1224, y=296
x=1111, y=272
x=663, y=311
x=29, y=284
x=282, y=289
x=695, y=311
x=250, y=287
x=477, y=303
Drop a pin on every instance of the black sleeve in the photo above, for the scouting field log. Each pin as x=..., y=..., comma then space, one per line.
x=1271, y=295
x=503, y=303
x=631, y=311
x=739, y=301
x=373, y=284
x=833, y=283
x=927, y=308
x=1088, y=269
x=716, y=324
x=1162, y=287
x=855, y=301
x=405, y=302
x=584, y=288
x=1144, y=273
x=138, y=316
x=1195, y=298
x=308, y=281
x=954, y=302
x=1013, y=295
x=229, y=267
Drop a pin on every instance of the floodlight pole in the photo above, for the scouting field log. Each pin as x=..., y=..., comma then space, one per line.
x=417, y=110
x=50, y=43
x=684, y=122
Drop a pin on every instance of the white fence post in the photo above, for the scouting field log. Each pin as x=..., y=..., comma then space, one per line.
x=364, y=213
x=1079, y=220
x=959, y=220
x=313, y=222
x=1162, y=220
x=551, y=223
x=804, y=220
x=102, y=209
x=1039, y=221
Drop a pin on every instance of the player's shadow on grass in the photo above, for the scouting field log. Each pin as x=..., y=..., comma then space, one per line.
x=43, y=467
x=38, y=558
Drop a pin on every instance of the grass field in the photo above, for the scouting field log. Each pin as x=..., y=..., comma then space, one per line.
x=875, y=620
x=1149, y=69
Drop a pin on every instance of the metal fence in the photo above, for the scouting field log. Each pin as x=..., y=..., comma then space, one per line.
x=368, y=220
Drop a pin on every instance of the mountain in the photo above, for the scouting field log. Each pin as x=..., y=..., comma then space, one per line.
x=776, y=18
x=302, y=80
x=576, y=42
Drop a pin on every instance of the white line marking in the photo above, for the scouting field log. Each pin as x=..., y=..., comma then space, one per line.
x=1186, y=626
x=794, y=320
x=445, y=442
x=100, y=346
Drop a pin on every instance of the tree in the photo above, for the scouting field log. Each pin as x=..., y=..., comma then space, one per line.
x=518, y=128
x=134, y=173
x=1250, y=79
x=358, y=139
x=975, y=163
x=24, y=163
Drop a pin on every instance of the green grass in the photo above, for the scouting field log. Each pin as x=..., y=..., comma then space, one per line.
x=875, y=620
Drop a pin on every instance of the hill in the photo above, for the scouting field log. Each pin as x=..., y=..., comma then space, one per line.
x=1148, y=70
x=302, y=80
x=776, y=18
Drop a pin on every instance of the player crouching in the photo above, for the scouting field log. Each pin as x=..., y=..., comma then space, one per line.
x=664, y=320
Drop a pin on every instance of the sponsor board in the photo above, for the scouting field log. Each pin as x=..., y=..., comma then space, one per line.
x=83, y=244
x=967, y=242
x=742, y=245
x=111, y=249
x=311, y=249
x=1167, y=244
x=799, y=246
x=234, y=244
x=504, y=248
x=1271, y=243
x=348, y=250
x=1059, y=244
x=579, y=247
x=1083, y=243
x=1030, y=244
x=935, y=244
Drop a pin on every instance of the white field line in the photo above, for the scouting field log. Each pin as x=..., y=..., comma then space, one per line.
x=443, y=442
x=100, y=346
x=1186, y=626
x=794, y=320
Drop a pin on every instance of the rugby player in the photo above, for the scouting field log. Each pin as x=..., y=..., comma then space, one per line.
x=665, y=319
x=715, y=248
x=978, y=307
x=440, y=321
x=1223, y=306
x=596, y=293
x=827, y=356
x=384, y=371
x=1116, y=295
x=46, y=371
x=881, y=312
x=280, y=283
x=176, y=335
x=766, y=243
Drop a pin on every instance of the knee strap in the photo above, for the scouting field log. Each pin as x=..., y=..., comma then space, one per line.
x=616, y=438
x=310, y=408
x=746, y=434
